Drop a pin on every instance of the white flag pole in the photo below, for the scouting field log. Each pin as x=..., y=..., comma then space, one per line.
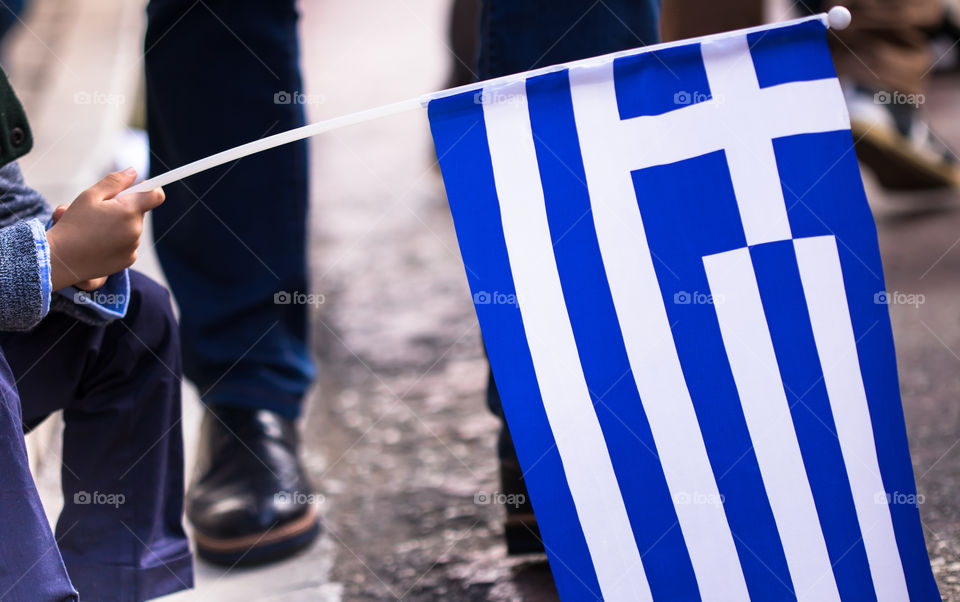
x=837, y=18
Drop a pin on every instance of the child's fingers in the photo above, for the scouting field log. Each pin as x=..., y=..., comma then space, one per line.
x=92, y=284
x=59, y=211
x=114, y=183
x=145, y=201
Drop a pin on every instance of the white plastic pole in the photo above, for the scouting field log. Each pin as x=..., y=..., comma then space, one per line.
x=837, y=18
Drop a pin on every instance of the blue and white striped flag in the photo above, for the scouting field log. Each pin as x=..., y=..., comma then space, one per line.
x=678, y=283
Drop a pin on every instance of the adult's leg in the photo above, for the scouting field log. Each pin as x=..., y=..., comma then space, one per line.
x=120, y=532
x=232, y=241
x=517, y=36
x=682, y=19
x=220, y=74
x=887, y=46
x=30, y=564
x=520, y=35
x=464, y=18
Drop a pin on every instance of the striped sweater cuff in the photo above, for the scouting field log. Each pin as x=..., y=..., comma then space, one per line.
x=24, y=275
x=43, y=263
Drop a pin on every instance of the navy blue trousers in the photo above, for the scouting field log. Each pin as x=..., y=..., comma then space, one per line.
x=120, y=535
x=221, y=73
x=519, y=35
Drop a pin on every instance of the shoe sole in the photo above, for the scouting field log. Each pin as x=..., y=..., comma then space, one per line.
x=897, y=167
x=276, y=543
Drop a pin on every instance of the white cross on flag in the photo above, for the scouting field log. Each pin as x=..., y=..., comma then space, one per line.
x=678, y=283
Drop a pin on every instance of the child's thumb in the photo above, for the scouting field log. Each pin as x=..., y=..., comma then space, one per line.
x=114, y=183
x=144, y=201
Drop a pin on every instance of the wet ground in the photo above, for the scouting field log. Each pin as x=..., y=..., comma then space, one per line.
x=400, y=435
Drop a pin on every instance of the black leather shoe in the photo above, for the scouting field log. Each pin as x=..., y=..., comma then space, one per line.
x=251, y=502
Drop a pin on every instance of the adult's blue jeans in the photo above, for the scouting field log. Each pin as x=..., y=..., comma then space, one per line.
x=232, y=240
x=518, y=35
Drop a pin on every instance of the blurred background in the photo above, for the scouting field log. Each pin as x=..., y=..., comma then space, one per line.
x=397, y=436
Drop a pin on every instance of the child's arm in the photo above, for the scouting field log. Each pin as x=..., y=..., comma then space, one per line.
x=18, y=200
x=24, y=258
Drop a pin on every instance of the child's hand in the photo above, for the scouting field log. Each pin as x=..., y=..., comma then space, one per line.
x=86, y=285
x=97, y=234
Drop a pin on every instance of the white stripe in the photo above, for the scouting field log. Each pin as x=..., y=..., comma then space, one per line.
x=647, y=334
x=833, y=332
x=566, y=398
x=748, y=148
x=746, y=338
x=704, y=127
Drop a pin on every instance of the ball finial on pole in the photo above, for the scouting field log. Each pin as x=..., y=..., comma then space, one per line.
x=838, y=17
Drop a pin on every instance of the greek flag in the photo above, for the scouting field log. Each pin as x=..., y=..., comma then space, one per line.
x=678, y=282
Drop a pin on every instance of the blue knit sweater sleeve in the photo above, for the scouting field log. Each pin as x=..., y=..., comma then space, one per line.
x=24, y=275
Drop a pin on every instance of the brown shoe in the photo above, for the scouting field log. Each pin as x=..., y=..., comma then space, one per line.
x=896, y=144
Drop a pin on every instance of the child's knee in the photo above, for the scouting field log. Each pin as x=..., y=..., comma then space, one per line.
x=150, y=312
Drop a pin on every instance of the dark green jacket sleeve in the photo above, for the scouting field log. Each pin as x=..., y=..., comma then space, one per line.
x=15, y=136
